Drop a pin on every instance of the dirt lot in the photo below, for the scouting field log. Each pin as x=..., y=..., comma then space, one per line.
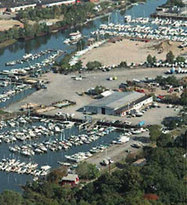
x=7, y=24
x=64, y=87
x=131, y=51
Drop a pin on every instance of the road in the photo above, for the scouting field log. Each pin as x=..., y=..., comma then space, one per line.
x=118, y=152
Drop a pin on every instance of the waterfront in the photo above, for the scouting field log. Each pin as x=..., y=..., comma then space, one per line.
x=55, y=41
x=48, y=158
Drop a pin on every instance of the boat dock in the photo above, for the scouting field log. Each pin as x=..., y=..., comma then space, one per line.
x=85, y=123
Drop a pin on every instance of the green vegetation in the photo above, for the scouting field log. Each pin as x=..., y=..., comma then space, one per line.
x=172, y=3
x=7, y=43
x=87, y=171
x=123, y=64
x=170, y=80
x=10, y=197
x=151, y=59
x=56, y=175
x=174, y=99
x=170, y=57
x=72, y=15
x=180, y=59
x=93, y=65
x=155, y=132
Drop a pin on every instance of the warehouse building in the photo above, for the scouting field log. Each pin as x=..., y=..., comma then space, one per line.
x=119, y=103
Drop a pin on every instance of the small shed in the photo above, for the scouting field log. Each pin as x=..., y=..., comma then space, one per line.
x=71, y=179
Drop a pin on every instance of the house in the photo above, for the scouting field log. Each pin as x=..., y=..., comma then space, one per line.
x=71, y=179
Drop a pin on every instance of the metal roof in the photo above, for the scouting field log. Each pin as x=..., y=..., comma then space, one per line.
x=117, y=100
x=70, y=177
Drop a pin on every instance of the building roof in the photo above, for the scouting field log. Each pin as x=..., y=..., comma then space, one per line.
x=140, y=162
x=117, y=100
x=70, y=177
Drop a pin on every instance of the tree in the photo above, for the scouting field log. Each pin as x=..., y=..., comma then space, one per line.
x=149, y=59
x=172, y=3
x=93, y=65
x=10, y=198
x=183, y=99
x=170, y=57
x=154, y=59
x=181, y=141
x=154, y=132
x=180, y=59
x=87, y=171
x=123, y=64
x=164, y=140
x=55, y=175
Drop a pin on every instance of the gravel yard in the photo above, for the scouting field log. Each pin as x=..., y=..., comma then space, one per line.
x=64, y=87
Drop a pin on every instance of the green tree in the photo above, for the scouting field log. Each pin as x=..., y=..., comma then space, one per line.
x=149, y=59
x=10, y=198
x=181, y=141
x=180, y=59
x=55, y=175
x=87, y=171
x=183, y=99
x=164, y=140
x=123, y=64
x=154, y=59
x=154, y=132
x=93, y=65
x=170, y=57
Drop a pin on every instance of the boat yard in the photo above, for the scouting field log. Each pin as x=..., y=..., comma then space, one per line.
x=64, y=87
x=52, y=129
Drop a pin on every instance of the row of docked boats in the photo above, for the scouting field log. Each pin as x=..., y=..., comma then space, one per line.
x=25, y=131
x=35, y=67
x=142, y=32
x=78, y=54
x=6, y=95
x=157, y=21
x=16, y=166
x=122, y=139
x=62, y=143
x=30, y=57
x=80, y=156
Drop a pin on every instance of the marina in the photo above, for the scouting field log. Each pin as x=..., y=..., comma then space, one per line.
x=30, y=145
x=15, y=83
x=136, y=28
x=34, y=140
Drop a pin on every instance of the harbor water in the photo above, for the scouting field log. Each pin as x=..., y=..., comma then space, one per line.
x=9, y=180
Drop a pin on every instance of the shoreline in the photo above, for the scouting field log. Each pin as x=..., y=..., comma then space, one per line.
x=57, y=29
x=7, y=43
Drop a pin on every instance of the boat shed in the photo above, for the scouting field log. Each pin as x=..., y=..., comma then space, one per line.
x=119, y=103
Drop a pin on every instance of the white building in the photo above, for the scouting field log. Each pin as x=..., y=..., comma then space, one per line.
x=59, y=3
x=119, y=103
x=22, y=7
